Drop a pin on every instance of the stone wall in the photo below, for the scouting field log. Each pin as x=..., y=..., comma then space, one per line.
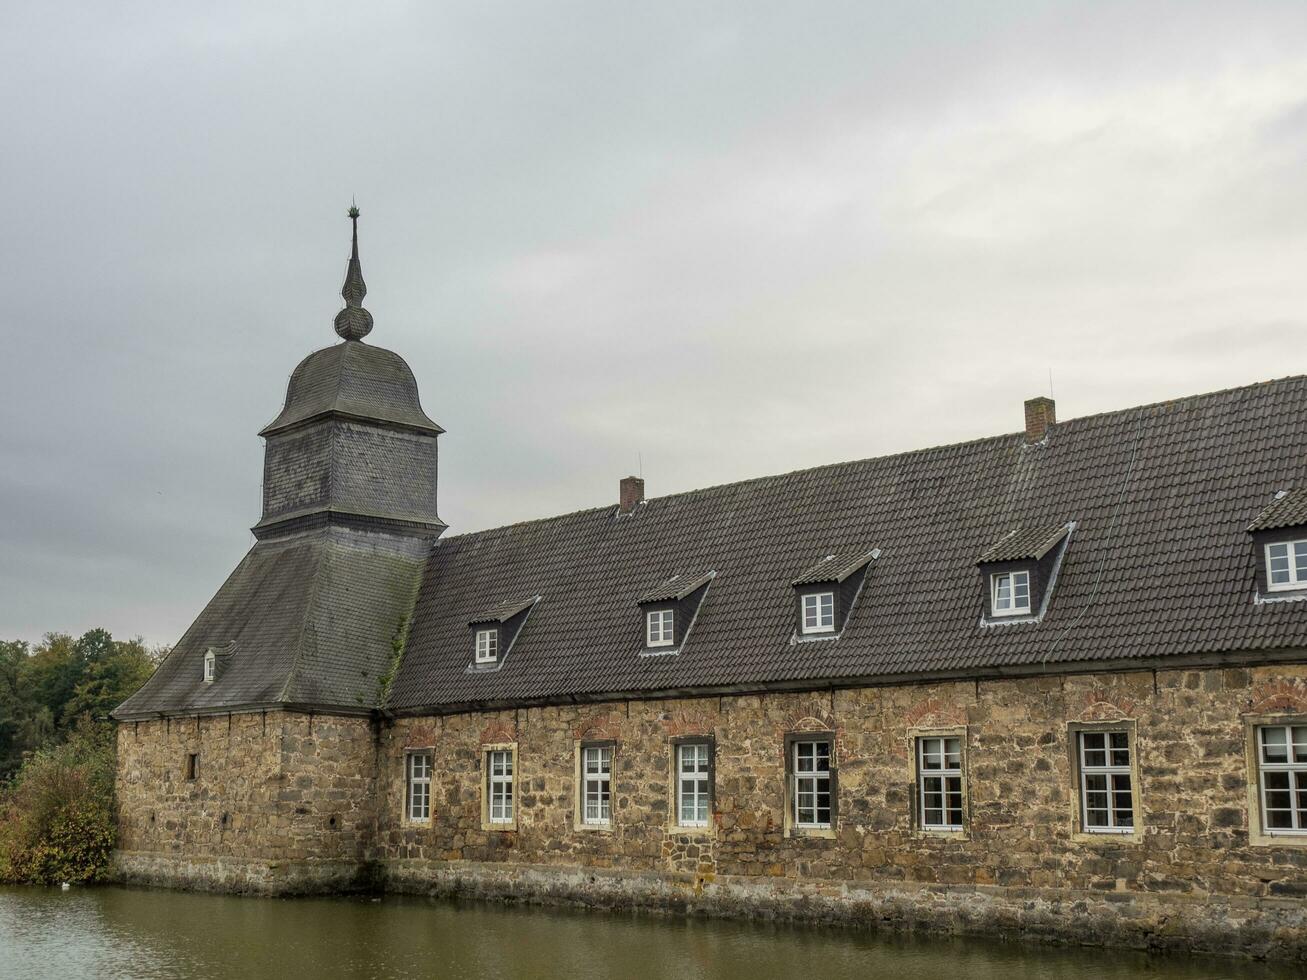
x=280, y=802
x=1193, y=876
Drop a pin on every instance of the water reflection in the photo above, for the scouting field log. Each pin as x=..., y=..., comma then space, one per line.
x=125, y=933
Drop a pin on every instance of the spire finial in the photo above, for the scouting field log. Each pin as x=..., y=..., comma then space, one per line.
x=354, y=322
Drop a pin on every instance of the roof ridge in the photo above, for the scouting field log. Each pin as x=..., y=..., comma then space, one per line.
x=902, y=454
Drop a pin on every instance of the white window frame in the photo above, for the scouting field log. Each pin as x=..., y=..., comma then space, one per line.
x=817, y=612
x=597, y=785
x=417, y=778
x=499, y=785
x=806, y=783
x=995, y=586
x=1292, y=549
x=1111, y=772
x=1296, y=776
x=659, y=625
x=694, y=784
x=487, y=645
x=935, y=747
x=210, y=667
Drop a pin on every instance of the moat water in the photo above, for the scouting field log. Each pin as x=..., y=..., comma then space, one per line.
x=111, y=933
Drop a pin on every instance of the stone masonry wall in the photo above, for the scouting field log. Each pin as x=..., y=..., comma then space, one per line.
x=280, y=802
x=1194, y=876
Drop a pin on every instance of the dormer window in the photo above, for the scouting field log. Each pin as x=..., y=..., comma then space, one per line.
x=210, y=667
x=495, y=630
x=826, y=592
x=1279, y=550
x=1011, y=594
x=1018, y=573
x=669, y=611
x=658, y=628
x=1286, y=565
x=819, y=612
x=487, y=646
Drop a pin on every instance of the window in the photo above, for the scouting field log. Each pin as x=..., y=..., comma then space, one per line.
x=499, y=773
x=658, y=628
x=487, y=646
x=1011, y=596
x=1107, y=803
x=812, y=784
x=193, y=765
x=210, y=667
x=819, y=612
x=1282, y=774
x=1286, y=565
x=939, y=782
x=693, y=784
x=419, y=786
x=596, y=785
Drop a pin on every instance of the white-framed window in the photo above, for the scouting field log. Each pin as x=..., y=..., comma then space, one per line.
x=487, y=646
x=658, y=627
x=1010, y=593
x=819, y=612
x=811, y=760
x=596, y=785
x=1282, y=778
x=1286, y=565
x=418, y=766
x=210, y=667
x=939, y=782
x=1107, y=799
x=693, y=784
x=499, y=773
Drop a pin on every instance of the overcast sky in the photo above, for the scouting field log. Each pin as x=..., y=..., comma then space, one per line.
x=726, y=239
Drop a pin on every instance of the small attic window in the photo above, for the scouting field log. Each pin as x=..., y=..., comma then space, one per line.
x=1011, y=593
x=659, y=630
x=819, y=612
x=1286, y=565
x=210, y=667
x=487, y=645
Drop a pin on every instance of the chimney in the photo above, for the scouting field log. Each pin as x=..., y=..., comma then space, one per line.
x=632, y=493
x=1041, y=415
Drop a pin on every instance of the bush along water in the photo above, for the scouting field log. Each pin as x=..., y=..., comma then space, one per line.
x=56, y=816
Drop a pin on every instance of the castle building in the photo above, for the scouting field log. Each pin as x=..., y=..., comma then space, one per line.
x=1051, y=683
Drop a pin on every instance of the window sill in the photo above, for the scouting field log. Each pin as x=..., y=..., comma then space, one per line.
x=499, y=828
x=1277, y=838
x=594, y=828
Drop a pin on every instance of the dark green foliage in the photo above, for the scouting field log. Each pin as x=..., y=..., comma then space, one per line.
x=56, y=751
x=56, y=819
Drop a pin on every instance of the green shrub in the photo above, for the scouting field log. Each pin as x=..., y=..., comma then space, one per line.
x=56, y=817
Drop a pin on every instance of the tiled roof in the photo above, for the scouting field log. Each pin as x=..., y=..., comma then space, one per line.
x=1160, y=564
x=1288, y=508
x=310, y=620
x=675, y=588
x=834, y=568
x=1025, y=543
x=502, y=611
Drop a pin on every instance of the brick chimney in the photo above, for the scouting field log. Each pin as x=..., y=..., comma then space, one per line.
x=631, y=494
x=1041, y=415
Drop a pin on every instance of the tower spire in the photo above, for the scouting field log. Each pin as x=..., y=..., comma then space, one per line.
x=354, y=322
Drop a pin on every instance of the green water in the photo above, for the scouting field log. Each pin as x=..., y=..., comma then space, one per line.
x=109, y=933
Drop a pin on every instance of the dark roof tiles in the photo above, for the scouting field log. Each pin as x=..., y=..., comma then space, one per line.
x=1287, y=509
x=835, y=568
x=675, y=588
x=1028, y=543
x=1160, y=565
